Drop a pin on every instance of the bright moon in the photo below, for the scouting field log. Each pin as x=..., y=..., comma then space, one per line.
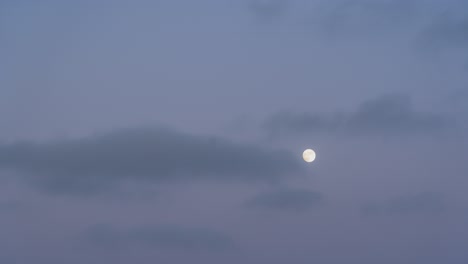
x=308, y=155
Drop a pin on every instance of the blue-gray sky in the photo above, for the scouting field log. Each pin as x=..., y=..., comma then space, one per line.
x=172, y=131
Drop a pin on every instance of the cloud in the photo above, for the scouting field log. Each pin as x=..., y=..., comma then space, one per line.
x=391, y=114
x=286, y=200
x=446, y=33
x=426, y=202
x=354, y=17
x=167, y=237
x=10, y=206
x=268, y=9
x=97, y=162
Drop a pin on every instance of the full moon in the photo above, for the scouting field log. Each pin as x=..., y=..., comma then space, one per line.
x=308, y=155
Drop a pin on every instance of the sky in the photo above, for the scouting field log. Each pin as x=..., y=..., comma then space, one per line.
x=172, y=131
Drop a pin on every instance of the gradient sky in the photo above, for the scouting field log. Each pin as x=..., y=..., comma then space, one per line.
x=172, y=131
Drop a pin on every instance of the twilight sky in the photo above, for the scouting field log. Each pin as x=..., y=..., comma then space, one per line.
x=172, y=131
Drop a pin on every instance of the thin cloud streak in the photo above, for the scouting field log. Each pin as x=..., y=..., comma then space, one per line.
x=425, y=203
x=289, y=200
x=166, y=237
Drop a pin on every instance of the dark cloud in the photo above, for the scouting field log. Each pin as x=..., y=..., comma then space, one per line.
x=354, y=17
x=287, y=200
x=446, y=33
x=154, y=155
x=268, y=9
x=386, y=115
x=7, y=207
x=168, y=237
x=446, y=36
x=426, y=202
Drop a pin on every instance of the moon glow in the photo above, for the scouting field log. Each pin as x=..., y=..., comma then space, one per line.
x=308, y=155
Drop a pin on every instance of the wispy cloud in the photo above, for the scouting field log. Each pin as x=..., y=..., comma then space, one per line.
x=298, y=200
x=426, y=202
x=446, y=33
x=166, y=237
x=268, y=9
x=391, y=114
x=364, y=17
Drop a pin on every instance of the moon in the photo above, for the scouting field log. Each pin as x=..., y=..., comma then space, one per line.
x=308, y=155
